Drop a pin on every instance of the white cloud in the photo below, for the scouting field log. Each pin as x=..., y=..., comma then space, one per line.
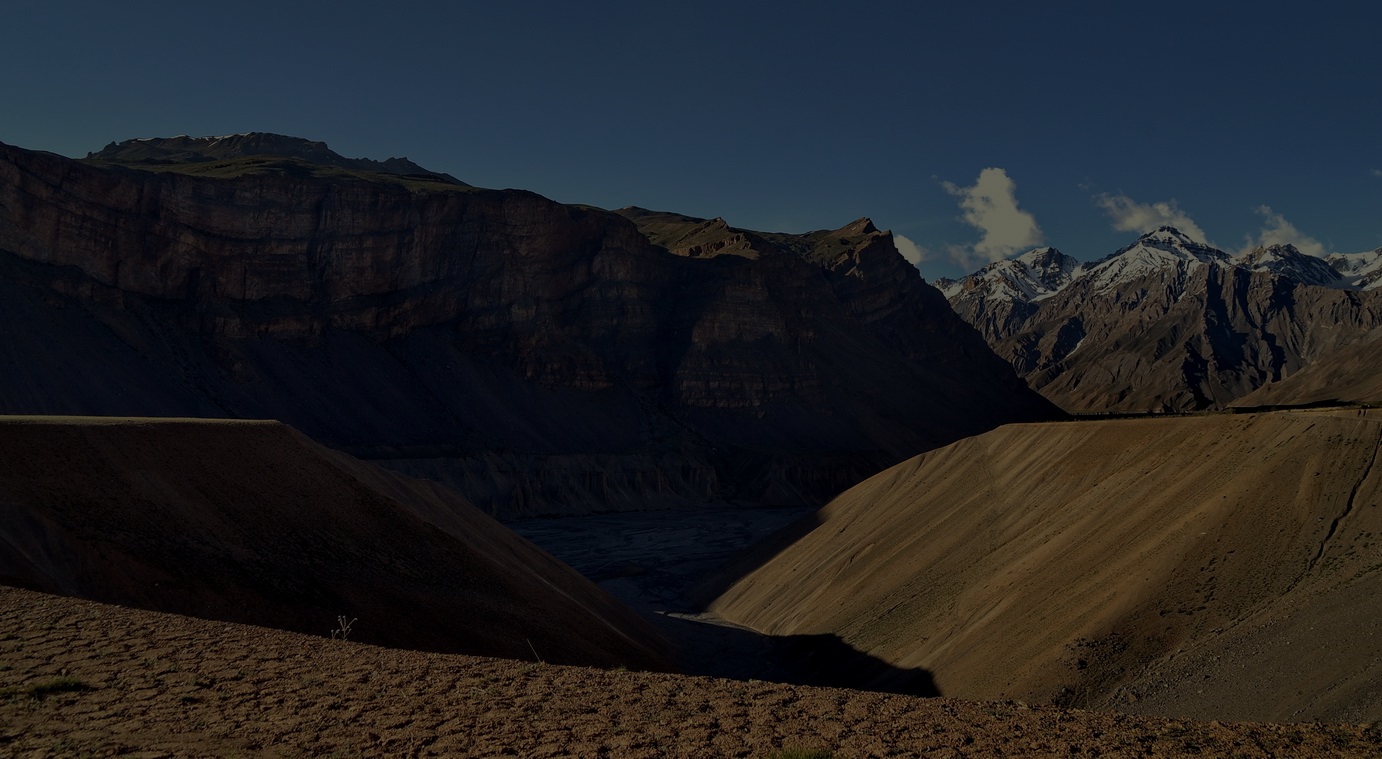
x=914, y=253
x=990, y=206
x=1377, y=172
x=1278, y=231
x=1130, y=216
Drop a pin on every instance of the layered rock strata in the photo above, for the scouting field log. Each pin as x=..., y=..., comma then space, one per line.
x=494, y=336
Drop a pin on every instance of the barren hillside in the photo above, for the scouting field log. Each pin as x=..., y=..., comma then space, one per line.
x=252, y=522
x=1223, y=567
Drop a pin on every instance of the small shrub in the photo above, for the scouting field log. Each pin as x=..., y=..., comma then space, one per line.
x=342, y=631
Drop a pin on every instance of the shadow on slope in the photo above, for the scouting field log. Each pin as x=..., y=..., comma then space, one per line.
x=826, y=659
x=747, y=561
x=252, y=522
x=667, y=564
x=713, y=648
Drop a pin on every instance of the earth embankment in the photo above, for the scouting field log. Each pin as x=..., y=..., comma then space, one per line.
x=252, y=522
x=1220, y=566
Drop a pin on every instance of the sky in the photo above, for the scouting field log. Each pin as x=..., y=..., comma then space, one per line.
x=974, y=131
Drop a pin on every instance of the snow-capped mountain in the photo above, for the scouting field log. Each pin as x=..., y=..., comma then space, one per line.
x=1040, y=274
x=1286, y=261
x=1168, y=322
x=1161, y=249
x=1032, y=276
x=1002, y=295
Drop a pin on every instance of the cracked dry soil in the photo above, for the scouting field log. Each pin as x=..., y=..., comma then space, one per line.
x=158, y=685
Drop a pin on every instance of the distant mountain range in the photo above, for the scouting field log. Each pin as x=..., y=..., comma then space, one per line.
x=1168, y=323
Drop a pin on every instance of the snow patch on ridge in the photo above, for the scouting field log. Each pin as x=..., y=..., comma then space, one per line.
x=1360, y=270
x=1033, y=276
x=1162, y=249
x=1287, y=261
x=1042, y=273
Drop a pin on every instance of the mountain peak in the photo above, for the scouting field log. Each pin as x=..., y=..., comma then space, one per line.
x=1164, y=249
x=1047, y=256
x=1167, y=233
x=1035, y=275
x=1285, y=260
x=860, y=226
x=1270, y=252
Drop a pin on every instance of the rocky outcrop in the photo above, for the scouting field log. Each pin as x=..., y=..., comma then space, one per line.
x=494, y=335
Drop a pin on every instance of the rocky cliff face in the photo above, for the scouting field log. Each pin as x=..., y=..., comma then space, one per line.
x=489, y=337
x=1168, y=324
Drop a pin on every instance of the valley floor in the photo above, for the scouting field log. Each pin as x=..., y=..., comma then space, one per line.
x=653, y=562
x=81, y=678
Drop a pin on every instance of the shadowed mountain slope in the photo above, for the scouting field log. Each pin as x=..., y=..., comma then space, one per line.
x=539, y=357
x=1222, y=567
x=251, y=522
x=1350, y=374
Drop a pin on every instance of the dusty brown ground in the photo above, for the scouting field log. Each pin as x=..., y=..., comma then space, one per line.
x=159, y=685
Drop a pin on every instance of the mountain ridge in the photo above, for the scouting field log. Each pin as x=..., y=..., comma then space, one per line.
x=1170, y=324
x=482, y=336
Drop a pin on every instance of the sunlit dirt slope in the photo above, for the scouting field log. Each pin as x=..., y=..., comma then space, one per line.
x=1223, y=566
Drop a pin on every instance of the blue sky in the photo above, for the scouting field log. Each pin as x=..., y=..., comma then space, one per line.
x=974, y=130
